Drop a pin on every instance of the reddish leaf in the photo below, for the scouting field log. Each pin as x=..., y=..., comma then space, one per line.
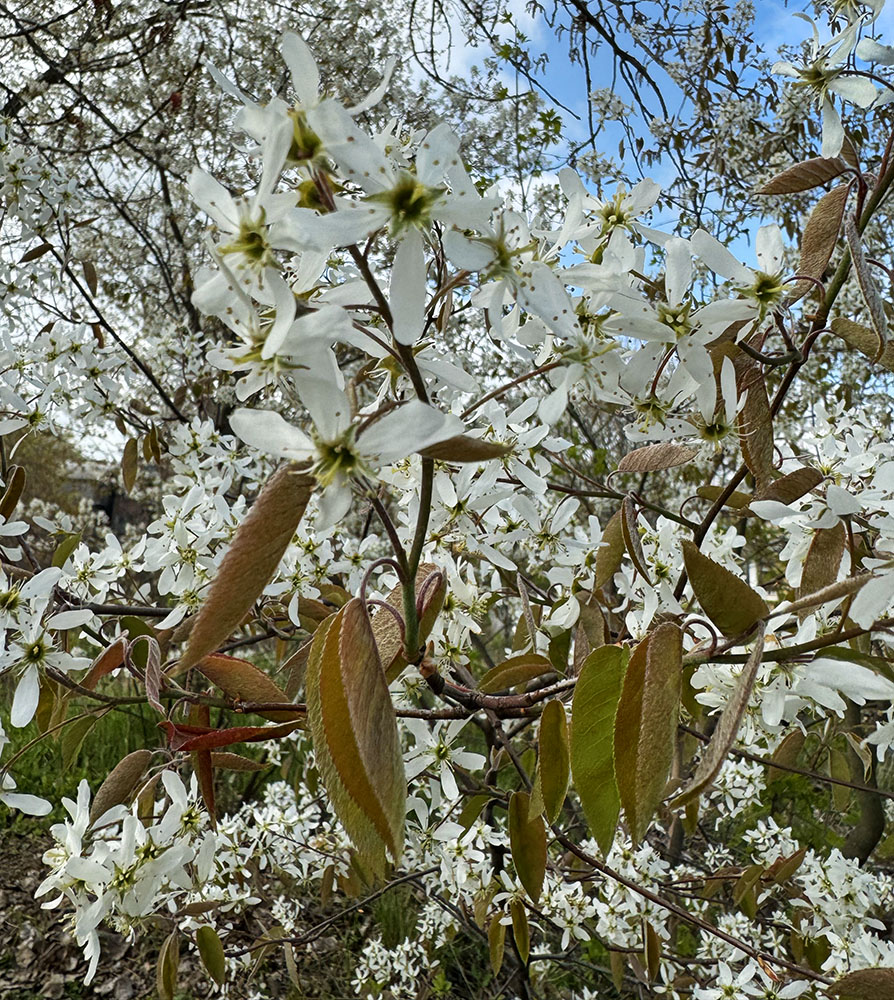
x=243, y=681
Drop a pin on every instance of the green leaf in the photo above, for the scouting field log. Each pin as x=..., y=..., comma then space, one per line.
x=250, y=561
x=521, y=930
x=355, y=736
x=646, y=725
x=129, y=464
x=516, y=670
x=727, y=728
x=736, y=500
x=593, y=711
x=212, y=953
x=496, y=942
x=553, y=761
x=725, y=598
x=243, y=681
x=72, y=737
x=527, y=841
x=787, y=754
x=121, y=784
x=65, y=548
x=168, y=966
x=15, y=484
x=464, y=448
x=609, y=553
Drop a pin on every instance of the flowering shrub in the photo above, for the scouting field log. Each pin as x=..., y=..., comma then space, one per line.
x=559, y=688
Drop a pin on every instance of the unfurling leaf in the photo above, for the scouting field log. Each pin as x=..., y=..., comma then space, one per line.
x=120, y=785
x=250, y=561
x=235, y=762
x=212, y=953
x=864, y=340
x=646, y=725
x=516, y=670
x=651, y=951
x=185, y=737
x=736, y=500
x=725, y=598
x=868, y=288
x=90, y=276
x=243, y=681
x=527, y=841
x=727, y=729
x=867, y=984
x=355, y=737
x=553, y=760
x=823, y=559
x=386, y=629
x=111, y=658
x=464, y=448
x=631, y=538
x=805, y=175
x=819, y=238
x=609, y=553
x=657, y=457
x=129, y=464
x=593, y=713
x=755, y=425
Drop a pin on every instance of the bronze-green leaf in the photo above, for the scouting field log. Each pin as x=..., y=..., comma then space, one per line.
x=823, y=559
x=593, y=713
x=865, y=340
x=250, y=561
x=120, y=785
x=646, y=724
x=725, y=598
x=15, y=484
x=385, y=626
x=527, y=840
x=212, y=953
x=129, y=463
x=243, y=681
x=866, y=984
x=819, y=238
x=554, y=759
x=521, y=930
x=355, y=737
x=516, y=670
x=609, y=553
x=727, y=728
x=657, y=457
x=496, y=941
x=464, y=448
x=792, y=486
x=168, y=966
x=630, y=534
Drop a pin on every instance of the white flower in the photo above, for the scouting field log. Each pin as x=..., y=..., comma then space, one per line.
x=434, y=749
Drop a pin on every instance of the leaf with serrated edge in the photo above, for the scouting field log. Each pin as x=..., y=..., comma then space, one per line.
x=527, y=841
x=355, y=735
x=646, y=725
x=804, y=176
x=725, y=598
x=593, y=711
x=727, y=729
x=121, y=783
x=250, y=561
x=464, y=448
x=553, y=761
x=243, y=681
x=819, y=239
x=516, y=670
x=657, y=457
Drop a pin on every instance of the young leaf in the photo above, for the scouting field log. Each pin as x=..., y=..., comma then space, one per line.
x=243, y=681
x=864, y=340
x=121, y=783
x=111, y=658
x=516, y=670
x=725, y=598
x=553, y=761
x=610, y=552
x=805, y=175
x=871, y=296
x=15, y=483
x=184, y=737
x=464, y=448
x=496, y=941
x=355, y=735
x=386, y=630
x=646, y=724
x=823, y=559
x=527, y=840
x=755, y=425
x=786, y=754
x=631, y=538
x=657, y=457
x=168, y=966
x=792, y=486
x=90, y=276
x=250, y=561
x=521, y=930
x=236, y=762
x=819, y=238
x=129, y=462
x=212, y=953
x=727, y=729
x=866, y=984
x=593, y=711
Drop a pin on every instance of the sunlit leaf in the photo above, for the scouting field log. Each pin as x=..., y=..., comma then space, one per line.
x=819, y=239
x=243, y=681
x=212, y=953
x=866, y=984
x=516, y=670
x=805, y=175
x=725, y=598
x=656, y=457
